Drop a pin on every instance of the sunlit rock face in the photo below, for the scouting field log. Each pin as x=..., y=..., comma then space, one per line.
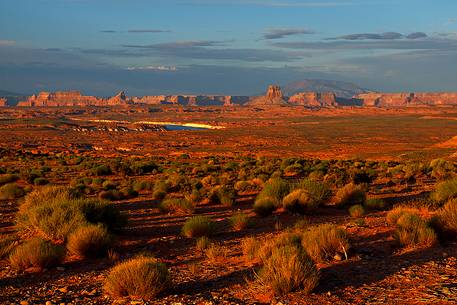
x=313, y=99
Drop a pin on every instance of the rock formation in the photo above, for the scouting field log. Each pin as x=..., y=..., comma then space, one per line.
x=273, y=96
x=313, y=99
x=3, y=102
x=407, y=99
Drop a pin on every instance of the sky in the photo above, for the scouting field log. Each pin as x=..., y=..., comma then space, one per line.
x=236, y=47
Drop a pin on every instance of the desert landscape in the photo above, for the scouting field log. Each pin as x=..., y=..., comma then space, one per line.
x=228, y=152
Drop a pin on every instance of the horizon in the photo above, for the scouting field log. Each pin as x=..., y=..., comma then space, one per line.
x=225, y=47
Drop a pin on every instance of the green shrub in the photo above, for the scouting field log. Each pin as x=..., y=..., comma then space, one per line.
x=36, y=253
x=141, y=277
x=40, y=181
x=160, y=190
x=356, y=211
x=128, y=193
x=11, y=191
x=89, y=241
x=198, y=226
x=101, y=170
x=275, y=189
x=142, y=185
x=394, y=214
x=264, y=206
x=299, y=201
x=350, y=194
x=445, y=190
x=319, y=192
x=287, y=269
x=239, y=221
x=447, y=217
x=221, y=195
x=111, y=195
x=55, y=218
x=176, y=205
x=8, y=178
x=413, y=231
x=323, y=242
x=375, y=204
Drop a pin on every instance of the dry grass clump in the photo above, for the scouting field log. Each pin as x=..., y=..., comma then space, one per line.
x=356, y=211
x=445, y=190
x=398, y=211
x=177, y=205
x=11, y=191
x=216, y=252
x=36, y=253
x=240, y=221
x=322, y=242
x=160, y=190
x=7, y=245
x=413, y=231
x=250, y=247
x=8, y=178
x=89, y=241
x=375, y=204
x=287, y=269
x=264, y=206
x=319, y=192
x=299, y=201
x=350, y=194
x=198, y=226
x=202, y=243
x=140, y=277
x=446, y=219
x=275, y=189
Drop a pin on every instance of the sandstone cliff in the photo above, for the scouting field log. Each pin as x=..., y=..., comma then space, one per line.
x=3, y=102
x=313, y=99
x=407, y=99
x=273, y=97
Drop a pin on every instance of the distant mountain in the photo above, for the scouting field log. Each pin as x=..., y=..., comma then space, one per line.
x=341, y=89
x=12, y=97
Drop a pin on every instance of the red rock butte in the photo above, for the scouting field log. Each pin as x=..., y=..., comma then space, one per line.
x=273, y=96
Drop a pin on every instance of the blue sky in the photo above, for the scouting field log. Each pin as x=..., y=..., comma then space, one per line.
x=225, y=46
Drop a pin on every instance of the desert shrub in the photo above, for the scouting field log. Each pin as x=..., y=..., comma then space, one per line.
x=221, y=195
x=446, y=218
x=109, y=185
x=394, y=214
x=264, y=206
x=357, y=210
x=350, y=194
x=445, y=190
x=128, y=193
x=239, y=221
x=287, y=269
x=36, y=253
x=40, y=181
x=202, y=243
x=142, y=185
x=215, y=252
x=323, y=242
x=299, y=201
x=194, y=197
x=101, y=170
x=111, y=195
x=8, y=178
x=176, y=205
x=283, y=239
x=142, y=277
x=375, y=204
x=414, y=231
x=11, y=191
x=250, y=247
x=275, y=189
x=7, y=245
x=55, y=218
x=142, y=168
x=89, y=241
x=242, y=186
x=160, y=190
x=198, y=226
x=319, y=192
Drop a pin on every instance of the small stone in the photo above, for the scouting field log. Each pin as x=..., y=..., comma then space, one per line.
x=63, y=289
x=338, y=257
x=60, y=268
x=24, y=303
x=48, y=303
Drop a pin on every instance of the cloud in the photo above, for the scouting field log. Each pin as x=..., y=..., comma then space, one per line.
x=416, y=35
x=108, y=31
x=148, y=31
x=179, y=44
x=154, y=68
x=281, y=33
x=7, y=42
x=369, y=36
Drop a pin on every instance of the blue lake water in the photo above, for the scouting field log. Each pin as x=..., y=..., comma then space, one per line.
x=179, y=127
